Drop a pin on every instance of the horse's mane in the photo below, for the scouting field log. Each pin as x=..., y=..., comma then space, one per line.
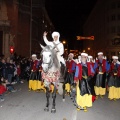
x=54, y=55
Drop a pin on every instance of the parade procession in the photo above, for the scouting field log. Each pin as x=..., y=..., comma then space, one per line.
x=83, y=79
x=59, y=59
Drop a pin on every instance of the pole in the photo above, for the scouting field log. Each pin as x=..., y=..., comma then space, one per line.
x=30, y=27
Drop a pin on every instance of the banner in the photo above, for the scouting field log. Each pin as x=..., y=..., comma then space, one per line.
x=85, y=38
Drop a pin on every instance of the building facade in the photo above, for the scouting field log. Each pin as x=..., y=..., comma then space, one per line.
x=104, y=24
x=22, y=23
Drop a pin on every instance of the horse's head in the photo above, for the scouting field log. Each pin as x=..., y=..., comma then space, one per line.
x=47, y=57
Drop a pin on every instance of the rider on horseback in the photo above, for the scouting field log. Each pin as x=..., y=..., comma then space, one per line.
x=56, y=45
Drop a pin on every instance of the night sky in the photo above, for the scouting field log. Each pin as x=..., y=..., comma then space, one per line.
x=68, y=16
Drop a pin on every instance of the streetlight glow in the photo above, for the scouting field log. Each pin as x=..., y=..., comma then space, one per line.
x=89, y=48
x=83, y=50
x=64, y=42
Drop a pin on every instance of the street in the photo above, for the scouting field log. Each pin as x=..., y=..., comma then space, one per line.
x=25, y=105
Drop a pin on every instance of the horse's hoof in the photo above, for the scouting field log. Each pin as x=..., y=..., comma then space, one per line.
x=63, y=100
x=53, y=110
x=46, y=109
x=71, y=97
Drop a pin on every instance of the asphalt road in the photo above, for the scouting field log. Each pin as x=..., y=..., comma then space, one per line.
x=25, y=105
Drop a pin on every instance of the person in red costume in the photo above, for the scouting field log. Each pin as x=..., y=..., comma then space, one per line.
x=92, y=81
x=69, y=78
x=101, y=67
x=83, y=74
x=33, y=80
x=114, y=80
x=92, y=62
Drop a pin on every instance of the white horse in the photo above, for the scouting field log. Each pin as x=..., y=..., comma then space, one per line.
x=51, y=73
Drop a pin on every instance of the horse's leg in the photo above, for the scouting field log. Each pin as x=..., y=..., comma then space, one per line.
x=47, y=96
x=73, y=94
x=53, y=110
x=63, y=92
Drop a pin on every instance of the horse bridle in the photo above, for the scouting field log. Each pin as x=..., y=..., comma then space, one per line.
x=49, y=64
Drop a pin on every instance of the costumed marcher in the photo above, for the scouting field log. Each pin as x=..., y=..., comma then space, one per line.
x=101, y=67
x=33, y=80
x=84, y=72
x=69, y=77
x=92, y=61
x=114, y=80
x=92, y=81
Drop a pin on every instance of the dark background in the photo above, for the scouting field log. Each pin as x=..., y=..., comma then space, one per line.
x=69, y=16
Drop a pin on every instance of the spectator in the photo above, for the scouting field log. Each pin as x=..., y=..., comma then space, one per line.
x=18, y=78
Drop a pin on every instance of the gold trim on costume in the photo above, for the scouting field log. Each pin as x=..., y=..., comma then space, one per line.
x=85, y=77
x=115, y=73
x=100, y=72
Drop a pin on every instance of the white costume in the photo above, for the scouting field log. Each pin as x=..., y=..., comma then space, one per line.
x=57, y=45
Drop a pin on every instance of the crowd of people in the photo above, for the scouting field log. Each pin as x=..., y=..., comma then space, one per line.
x=93, y=78
x=13, y=70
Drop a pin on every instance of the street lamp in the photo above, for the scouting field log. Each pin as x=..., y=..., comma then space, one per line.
x=83, y=50
x=64, y=42
x=88, y=48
